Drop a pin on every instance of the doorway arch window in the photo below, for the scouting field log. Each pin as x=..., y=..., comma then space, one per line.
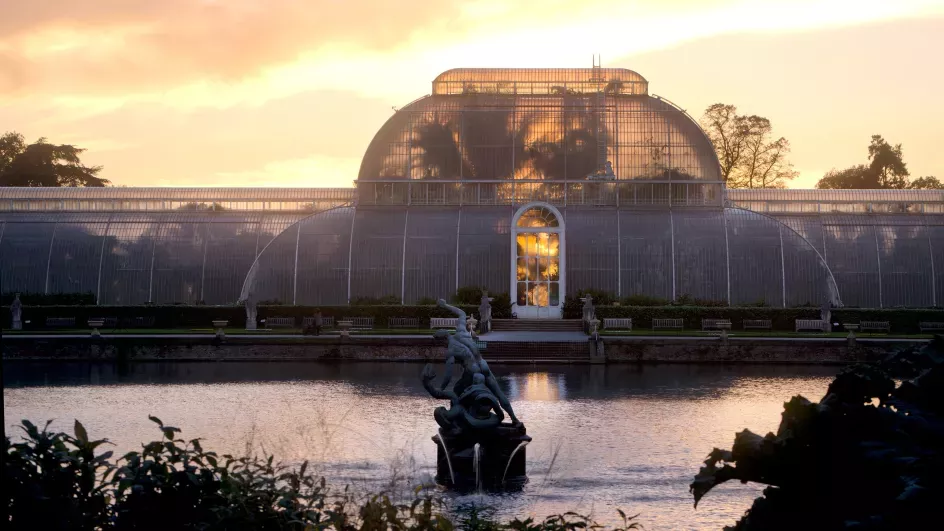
x=537, y=283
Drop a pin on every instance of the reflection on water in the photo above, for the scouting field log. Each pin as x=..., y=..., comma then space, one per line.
x=535, y=386
x=604, y=436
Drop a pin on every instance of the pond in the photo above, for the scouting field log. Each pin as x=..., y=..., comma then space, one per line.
x=605, y=437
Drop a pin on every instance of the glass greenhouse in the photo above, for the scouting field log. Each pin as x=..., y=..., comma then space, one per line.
x=532, y=182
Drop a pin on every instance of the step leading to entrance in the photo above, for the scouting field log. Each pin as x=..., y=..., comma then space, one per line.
x=543, y=325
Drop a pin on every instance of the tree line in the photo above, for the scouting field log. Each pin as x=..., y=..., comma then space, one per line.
x=752, y=157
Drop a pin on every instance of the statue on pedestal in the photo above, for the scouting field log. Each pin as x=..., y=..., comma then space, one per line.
x=251, y=310
x=476, y=450
x=485, y=313
x=825, y=314
x=16, y=311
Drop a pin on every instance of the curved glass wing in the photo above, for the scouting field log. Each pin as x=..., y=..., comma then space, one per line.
x=305, y=264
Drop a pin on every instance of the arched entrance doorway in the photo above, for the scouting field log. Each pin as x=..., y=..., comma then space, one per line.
x=537, y=269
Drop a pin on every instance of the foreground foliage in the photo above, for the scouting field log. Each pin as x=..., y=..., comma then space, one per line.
x=54, y=480
x=869, y=455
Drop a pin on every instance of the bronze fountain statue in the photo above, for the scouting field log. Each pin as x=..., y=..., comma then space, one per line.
x=476, y=450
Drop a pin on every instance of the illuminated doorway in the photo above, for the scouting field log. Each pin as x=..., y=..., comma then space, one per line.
x=537, y=272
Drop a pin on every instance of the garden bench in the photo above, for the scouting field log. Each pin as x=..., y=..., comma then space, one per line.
x=326, y=322
x=403, y=322
x=716, y=324
x=60, y=322
x=280, y=322
x=140, y=322
x=107, y=322
x=931, y=327
x=617, y=323
x=443, y=322
x=757, y=324
x=668, y=324
x=877, y=326
x=811, y=324
x=361, y=323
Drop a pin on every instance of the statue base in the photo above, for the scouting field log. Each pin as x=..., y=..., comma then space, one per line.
x=501, y=459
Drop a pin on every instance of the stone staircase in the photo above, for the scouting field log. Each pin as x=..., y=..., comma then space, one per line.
x=536, y=352
x=537, y=325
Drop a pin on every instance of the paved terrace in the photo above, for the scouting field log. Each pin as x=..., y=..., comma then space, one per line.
x=495, y=337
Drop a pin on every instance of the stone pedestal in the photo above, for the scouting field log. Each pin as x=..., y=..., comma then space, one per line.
x=597, y=352
x=497, y=453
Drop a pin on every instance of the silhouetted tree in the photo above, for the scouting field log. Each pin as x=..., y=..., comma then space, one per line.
x=886, y=170
x=574, y=154
x=44, y=164
x=725, y=128
x=887, y=165
x=441, y=157
x=926, y=183
x=749, y=155
x=852, y=178
x=488, y=137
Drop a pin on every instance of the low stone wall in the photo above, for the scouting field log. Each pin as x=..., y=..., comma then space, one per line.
x=747, y=350
x=232, y=349
x=622, y=350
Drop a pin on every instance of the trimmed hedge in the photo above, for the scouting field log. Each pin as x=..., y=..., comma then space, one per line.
x=49, y=299
x=380, y=313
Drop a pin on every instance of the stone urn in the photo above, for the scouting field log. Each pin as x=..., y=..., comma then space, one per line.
x=594, y=327
x=344, y=327
x=472, y=321
x=95, y=324
x=220, y=324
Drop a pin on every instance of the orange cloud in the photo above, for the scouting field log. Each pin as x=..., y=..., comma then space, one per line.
x=236, y=91
x=121, y=48
x=115, y=46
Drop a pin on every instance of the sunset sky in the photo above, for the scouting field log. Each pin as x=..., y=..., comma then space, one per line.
x=290, y=92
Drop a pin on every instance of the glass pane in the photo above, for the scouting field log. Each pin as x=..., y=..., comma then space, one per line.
x=522, y=269
x=532, y=245
x=542, y=244
x=537, y=217
x=522, y=244
x=532, y=268
x=538, y=294
x=555, y=293
x=543, y=273
x=553, y=244
x=522, y=294
x=553, y=269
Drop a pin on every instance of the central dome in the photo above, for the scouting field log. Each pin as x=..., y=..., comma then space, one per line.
x=538, y=125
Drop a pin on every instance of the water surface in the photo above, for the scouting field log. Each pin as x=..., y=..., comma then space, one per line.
x=619, y=436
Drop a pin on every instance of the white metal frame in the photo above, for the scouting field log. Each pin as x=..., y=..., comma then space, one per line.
x=534, y=312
